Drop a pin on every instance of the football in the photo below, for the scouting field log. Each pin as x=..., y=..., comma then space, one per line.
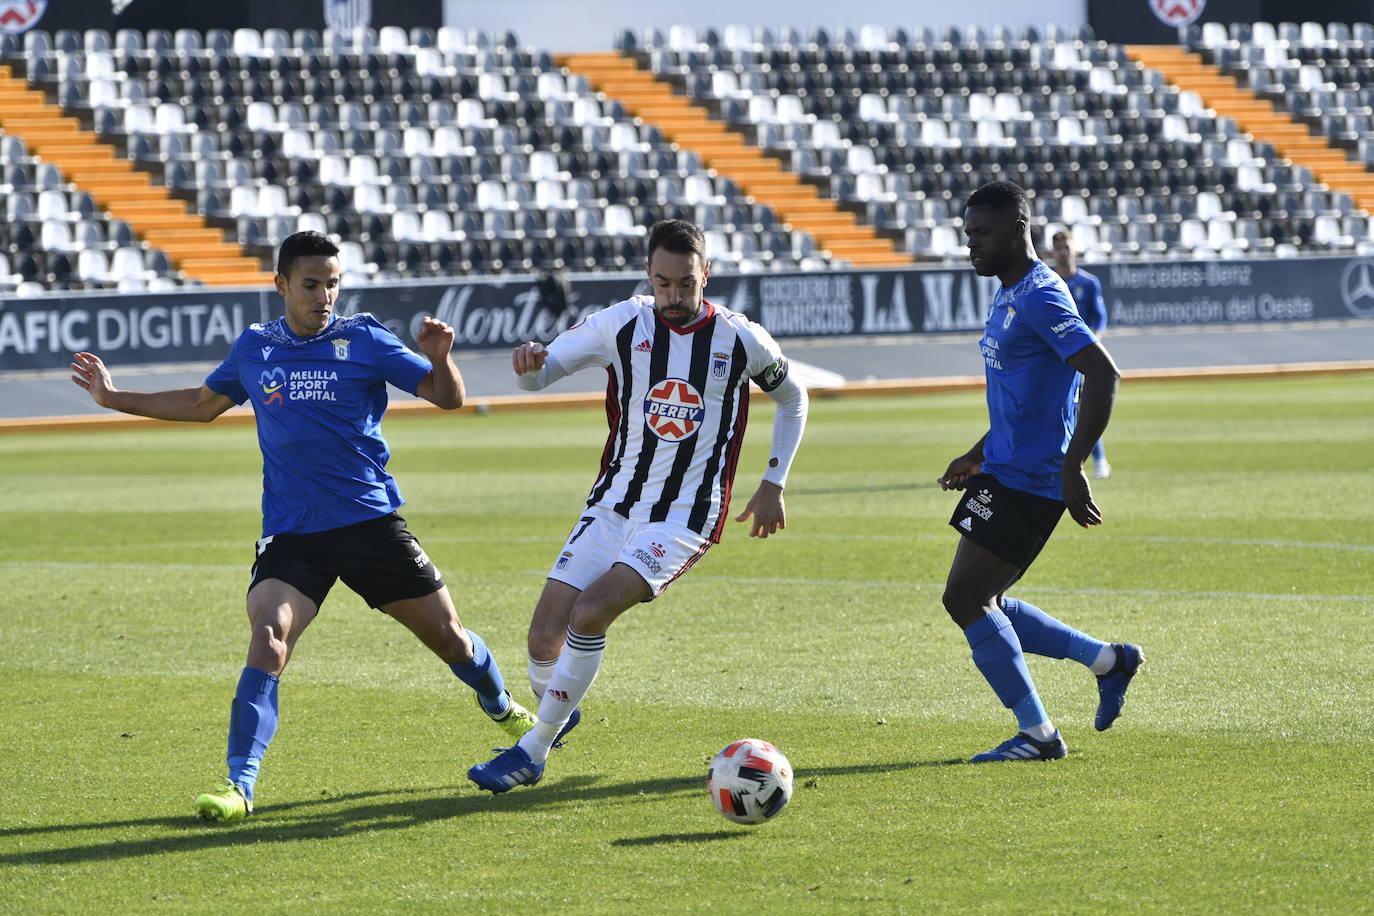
x=750, y=781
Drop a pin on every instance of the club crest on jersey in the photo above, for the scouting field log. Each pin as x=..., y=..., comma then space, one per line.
x=563, y=559
x=1011, y=316
x=673, y=410
x=272, y=383
x=720, y=364
x=340, y=348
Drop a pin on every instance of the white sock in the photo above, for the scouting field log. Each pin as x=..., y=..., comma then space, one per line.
x=1040, y=732
x=577, y=668
x=1104, y=661
x=540, y=672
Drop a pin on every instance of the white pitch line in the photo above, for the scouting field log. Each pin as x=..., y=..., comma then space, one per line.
x=913, y=536
x=1147, y=538
x=1149, y=592
x=756, y=580
x=1247, y=542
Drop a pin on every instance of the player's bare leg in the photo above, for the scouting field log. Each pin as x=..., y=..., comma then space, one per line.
x=593, y=612
x=434, y=621
x=548, y=628
x=278, y=614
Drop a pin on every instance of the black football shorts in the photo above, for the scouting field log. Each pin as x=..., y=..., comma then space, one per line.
x=1012, y=524
x=379, y=559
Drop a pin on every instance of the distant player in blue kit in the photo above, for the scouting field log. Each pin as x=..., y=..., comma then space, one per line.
x=1086, y=290
x=1025, y=471
x=318, y=387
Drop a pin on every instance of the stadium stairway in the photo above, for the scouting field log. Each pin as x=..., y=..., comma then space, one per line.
x=197, y=250
x=1257, y=116
x=761, y=176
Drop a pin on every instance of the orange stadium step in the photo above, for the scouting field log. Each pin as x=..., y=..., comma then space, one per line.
x=236, y=278
x=175, y=236
x=732, y=155
x=126, y=193
x=196, y=247
x=221, y=264
x=1291, y=139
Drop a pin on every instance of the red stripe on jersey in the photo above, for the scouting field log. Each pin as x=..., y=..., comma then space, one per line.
x=731, y=460
x=612, y=420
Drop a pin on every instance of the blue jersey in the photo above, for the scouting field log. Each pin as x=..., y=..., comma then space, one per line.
x=1086, y=290
x=319, y=403
x=1032, y=392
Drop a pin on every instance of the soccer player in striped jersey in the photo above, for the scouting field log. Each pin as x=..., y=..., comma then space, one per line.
x=677, y=400
x=1022, y=475
x=1086, y=290
x=318, y=387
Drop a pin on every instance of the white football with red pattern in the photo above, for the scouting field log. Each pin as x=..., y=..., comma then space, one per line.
x=750, y=781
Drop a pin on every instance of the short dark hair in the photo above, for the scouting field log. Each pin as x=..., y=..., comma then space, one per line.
x=678, y=236
x=1000, y=195
x=303, y=245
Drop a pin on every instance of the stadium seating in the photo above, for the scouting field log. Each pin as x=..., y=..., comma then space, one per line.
x=435, y=152
x=905, y=124
x=1322, y=73
x=440, y=152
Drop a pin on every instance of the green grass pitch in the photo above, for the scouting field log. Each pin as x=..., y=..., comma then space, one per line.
x=1238, y=550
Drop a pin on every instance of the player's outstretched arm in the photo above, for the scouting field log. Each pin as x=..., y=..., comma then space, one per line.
x=963, y=467
x=193, y=405
x=443, y=386
x=767, y=509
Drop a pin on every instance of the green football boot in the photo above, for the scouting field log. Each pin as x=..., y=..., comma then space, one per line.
x=516, y=721
x=225, y=803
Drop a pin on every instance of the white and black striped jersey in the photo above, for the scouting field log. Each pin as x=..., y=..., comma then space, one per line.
x=677, y=401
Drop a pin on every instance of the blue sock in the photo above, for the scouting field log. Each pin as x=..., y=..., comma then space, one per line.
x=997, y=653
x=1099, y=454
x=252, y=723
x=484, y=676
x=1041, y=634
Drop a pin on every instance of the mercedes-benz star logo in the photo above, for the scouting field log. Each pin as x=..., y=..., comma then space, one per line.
x=1357, y=287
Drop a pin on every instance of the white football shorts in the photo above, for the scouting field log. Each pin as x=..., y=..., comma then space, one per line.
x=658, y=551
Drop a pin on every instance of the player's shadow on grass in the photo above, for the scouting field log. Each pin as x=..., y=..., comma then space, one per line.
x=664, y=839
x=367, y=812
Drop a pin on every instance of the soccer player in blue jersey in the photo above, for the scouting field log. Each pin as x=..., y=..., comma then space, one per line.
x=1086, y=290
x=1025, y=472
x=318, y=386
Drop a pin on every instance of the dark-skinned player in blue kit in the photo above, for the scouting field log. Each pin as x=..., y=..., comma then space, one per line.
x=318, y=386
x=1019, y=479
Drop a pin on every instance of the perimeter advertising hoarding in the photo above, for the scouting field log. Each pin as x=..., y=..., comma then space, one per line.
x=198, y=326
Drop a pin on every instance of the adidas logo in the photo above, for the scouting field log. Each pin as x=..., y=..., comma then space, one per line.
x=643, y=347
x=966, y=524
